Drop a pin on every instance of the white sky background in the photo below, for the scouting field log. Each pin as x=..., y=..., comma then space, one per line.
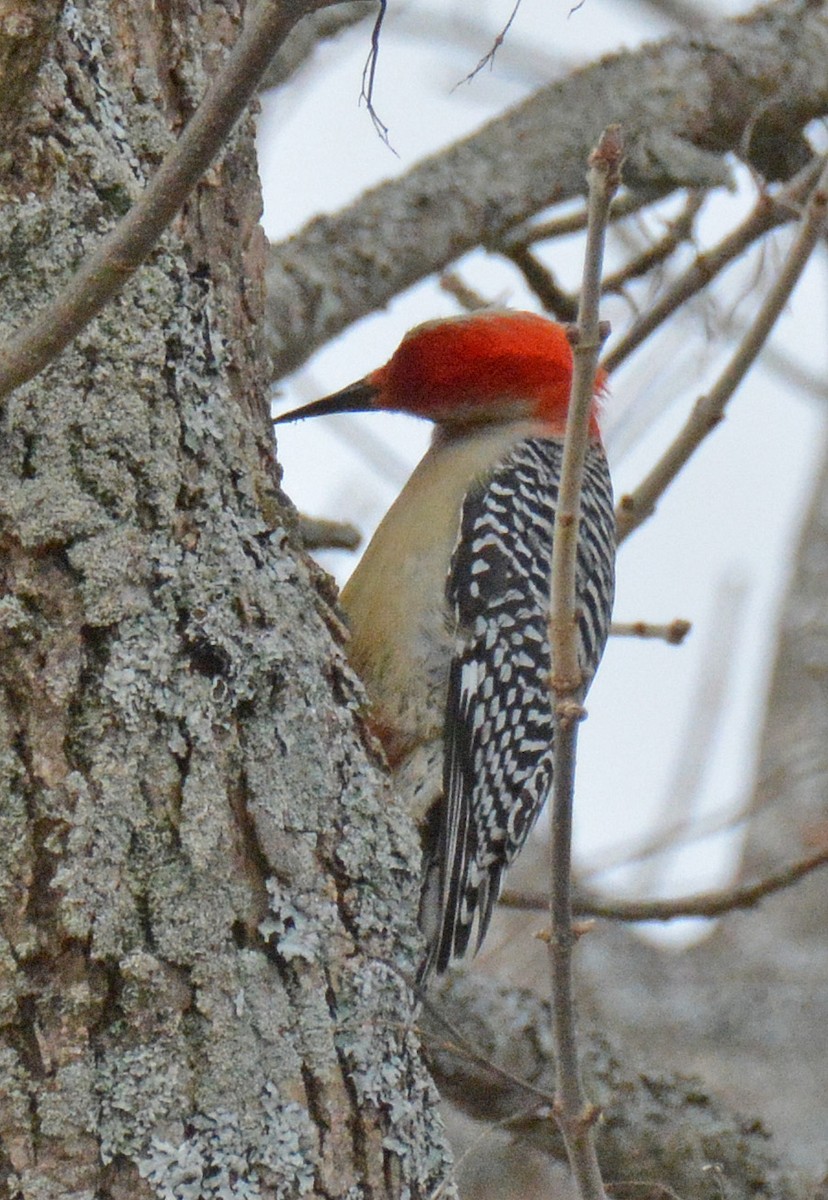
x=727, y=527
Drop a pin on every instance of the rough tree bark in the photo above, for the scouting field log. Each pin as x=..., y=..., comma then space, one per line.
x=206, y=895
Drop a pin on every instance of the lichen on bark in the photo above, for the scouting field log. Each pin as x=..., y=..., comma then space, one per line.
x=190, y=1001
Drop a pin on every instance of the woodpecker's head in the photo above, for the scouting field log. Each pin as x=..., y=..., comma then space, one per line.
x=484, y=368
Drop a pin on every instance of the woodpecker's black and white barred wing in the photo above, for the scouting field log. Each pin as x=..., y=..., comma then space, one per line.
x=499, y=717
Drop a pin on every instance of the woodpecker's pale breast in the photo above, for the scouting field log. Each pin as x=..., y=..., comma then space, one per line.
x=402, y=634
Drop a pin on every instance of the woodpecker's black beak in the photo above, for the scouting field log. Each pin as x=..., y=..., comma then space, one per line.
x=357, y=397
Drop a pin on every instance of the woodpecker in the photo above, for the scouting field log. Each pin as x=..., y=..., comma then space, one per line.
x=448, y=608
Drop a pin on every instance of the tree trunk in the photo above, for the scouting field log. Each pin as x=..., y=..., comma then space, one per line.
x=207, y=897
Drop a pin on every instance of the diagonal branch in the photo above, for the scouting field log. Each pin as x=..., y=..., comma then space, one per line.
x=497, y=1060
x=637, y=506
x=701, y=904
x=127, y=245
x=768, y=213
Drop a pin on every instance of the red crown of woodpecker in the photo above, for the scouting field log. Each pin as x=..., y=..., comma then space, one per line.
x=479, y=368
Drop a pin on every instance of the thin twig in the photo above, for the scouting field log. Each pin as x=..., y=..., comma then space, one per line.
x=562, y=304
x=708, y=410
x=574, y=1115
x=462, y=1048
x=768, y=212
x=369, y=76
x=559, y=303
x=673, y=634
x=700, y=904
x=466, y=296
x=622, y=206
x=678, y=231
x=118, y=255
x=490, y=56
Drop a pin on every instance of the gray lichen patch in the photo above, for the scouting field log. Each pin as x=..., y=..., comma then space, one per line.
x=185, y=891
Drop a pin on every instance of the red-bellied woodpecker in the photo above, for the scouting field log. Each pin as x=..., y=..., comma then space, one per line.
x=448, y=608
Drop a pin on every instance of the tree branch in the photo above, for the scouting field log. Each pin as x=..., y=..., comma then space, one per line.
x=542, y=231
x=574, y=1115
x=673, y=634
x=687, y=101
x=559, y=303
x=701, y=904
x=497, y=1061
x=105, y=271
x=769, y=212
x=320, y=533
x=708, y=410
x=308, y=35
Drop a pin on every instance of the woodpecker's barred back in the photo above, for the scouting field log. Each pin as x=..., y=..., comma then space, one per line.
x=499, y=724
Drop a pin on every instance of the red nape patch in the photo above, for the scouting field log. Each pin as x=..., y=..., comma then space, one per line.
x=466, y=368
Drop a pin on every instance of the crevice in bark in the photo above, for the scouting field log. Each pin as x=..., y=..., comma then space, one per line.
x=24, y=1037
x=343, y=883
x=359, y=1140
x=314, y=1100
x=258, y=870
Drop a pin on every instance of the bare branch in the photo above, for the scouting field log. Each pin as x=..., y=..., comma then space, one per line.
x=700, y=904
x=489, y=57
x=564, y=305
x=300, y=46
x=678, y=231
x=458, y=1044
x=662, y=1126
x=125, y=247
x=574, y=1115
x=604, y=175
x=319, y=533
x=769, y=212
x=686, y=102
x=454, y=285
x=555, y=300
x=708, y=410
x=554, y=227
x=369, y=76
x=674, y=633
